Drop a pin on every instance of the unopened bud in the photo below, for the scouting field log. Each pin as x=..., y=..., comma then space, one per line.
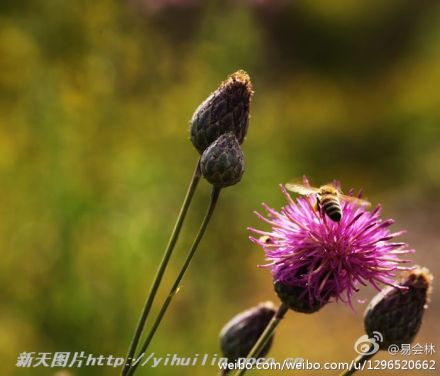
x=225, y=110
x=241, y=333
x=298, y=299
x=222, y=163
x=396, y=312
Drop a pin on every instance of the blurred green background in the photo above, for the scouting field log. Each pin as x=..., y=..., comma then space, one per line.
x=95, y=99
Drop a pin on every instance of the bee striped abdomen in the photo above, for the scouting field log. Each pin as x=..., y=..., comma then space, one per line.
x=330, y=205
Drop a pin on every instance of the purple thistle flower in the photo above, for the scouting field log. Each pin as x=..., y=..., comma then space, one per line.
x=322, y=260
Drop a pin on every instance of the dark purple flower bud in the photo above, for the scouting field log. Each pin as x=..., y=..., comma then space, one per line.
x=225, y=110
x=397, y=312
x=222, y=163
x=240, y=334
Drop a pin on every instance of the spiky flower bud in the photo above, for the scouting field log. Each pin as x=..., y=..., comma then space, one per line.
x=298, y=299
x=240, y=334
x=222, y=163
x=225, y=110
x=396, y=312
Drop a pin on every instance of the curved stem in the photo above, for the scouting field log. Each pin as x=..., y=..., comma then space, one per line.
x=162, y=266
x=266, y=335
x=358, y=362
x=174, y=289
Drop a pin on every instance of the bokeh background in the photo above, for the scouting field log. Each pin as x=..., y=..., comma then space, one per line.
x=95, y=99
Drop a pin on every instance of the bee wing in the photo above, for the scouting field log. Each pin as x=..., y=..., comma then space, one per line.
x=301, y=189
x=357, y=201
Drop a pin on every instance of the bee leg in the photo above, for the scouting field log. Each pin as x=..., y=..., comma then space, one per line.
x=316, y=207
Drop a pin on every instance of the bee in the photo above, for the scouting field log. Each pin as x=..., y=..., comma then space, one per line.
x=327, y=198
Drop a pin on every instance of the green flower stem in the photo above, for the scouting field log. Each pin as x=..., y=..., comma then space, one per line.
x=214, y=198
x=163, y=264
x=266, y=335
x=357, y=363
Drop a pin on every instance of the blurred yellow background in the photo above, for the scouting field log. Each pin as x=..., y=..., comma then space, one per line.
x=95, y=158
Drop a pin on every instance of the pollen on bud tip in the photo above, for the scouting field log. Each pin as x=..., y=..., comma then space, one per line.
x=397, y=312
x=298, y=299
x=222, y=163
x=225, y=110
x=240, y=334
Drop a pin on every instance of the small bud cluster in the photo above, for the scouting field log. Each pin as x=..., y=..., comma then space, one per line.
x=218, y=128
x=298, y=299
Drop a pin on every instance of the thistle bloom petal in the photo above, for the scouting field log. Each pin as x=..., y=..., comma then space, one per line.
x=329, y=260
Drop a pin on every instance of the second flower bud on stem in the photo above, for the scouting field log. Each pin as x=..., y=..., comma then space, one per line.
x=222, y=163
